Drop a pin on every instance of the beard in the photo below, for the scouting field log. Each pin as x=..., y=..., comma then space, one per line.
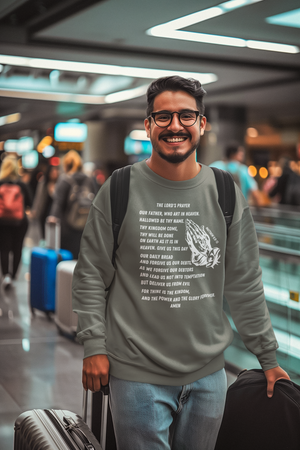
x=175, y=158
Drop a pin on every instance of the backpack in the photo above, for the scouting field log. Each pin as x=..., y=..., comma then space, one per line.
x=119, y=193
x=11, y=204
x=79, y=202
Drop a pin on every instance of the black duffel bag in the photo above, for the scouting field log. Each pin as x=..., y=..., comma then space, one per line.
x=252, y=421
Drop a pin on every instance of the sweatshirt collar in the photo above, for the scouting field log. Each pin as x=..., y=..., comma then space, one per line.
x=186, y=184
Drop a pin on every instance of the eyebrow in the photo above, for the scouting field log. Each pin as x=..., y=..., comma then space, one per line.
x=180, y=111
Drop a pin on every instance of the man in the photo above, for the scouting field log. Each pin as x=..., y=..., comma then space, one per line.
x=160, y=336
x=235, y=155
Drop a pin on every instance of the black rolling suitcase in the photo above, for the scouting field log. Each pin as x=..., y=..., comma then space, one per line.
x=101, y=419
x=252, y=421
x=51, y=429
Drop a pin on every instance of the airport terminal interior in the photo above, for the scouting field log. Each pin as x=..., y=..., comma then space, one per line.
x=73, y=76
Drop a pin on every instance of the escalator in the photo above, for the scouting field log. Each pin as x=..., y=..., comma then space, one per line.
x=278, y=232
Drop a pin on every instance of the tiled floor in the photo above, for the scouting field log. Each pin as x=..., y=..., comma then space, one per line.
x=38, y=367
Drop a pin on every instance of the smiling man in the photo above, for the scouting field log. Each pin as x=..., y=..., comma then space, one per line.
x=175, y=138
x=159, y=338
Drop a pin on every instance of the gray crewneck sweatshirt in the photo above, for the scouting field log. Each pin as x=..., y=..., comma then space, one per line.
x=163, y=321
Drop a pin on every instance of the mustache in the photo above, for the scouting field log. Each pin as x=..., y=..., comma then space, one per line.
x=170, y=134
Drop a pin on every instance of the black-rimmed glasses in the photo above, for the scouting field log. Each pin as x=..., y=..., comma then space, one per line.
x=163, y=119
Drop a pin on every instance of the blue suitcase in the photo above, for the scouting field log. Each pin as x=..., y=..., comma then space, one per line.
x=43, y=270
x=43, y=277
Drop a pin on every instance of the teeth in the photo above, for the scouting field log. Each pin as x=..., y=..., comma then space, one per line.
x=175, y=139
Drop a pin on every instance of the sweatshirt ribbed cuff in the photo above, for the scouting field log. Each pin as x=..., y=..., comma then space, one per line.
x=268, y=360
x=94, y=347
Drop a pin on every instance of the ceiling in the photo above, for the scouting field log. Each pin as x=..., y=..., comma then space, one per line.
x=114, y=33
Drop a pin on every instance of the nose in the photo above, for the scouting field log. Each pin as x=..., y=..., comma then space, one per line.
x=175, y=124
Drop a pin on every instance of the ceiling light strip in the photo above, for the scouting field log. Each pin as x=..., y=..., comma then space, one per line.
x=116, y=97
x=207, y=38
x=128, y=94
x=102, y=69
x=227, y=40
x=52, y=96
x=172, y=30
x=11, y=118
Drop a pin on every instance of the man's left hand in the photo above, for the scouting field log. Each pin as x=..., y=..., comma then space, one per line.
x=272, y=376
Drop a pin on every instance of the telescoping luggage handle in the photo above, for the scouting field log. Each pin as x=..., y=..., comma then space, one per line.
x=103, y=419
x=52, y=234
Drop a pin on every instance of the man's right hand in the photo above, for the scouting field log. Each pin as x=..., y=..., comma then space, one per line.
x=95, y=372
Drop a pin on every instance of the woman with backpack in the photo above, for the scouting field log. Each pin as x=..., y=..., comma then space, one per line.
x=15, y=197
x=74, y=192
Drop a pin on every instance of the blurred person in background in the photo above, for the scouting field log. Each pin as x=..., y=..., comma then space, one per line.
x=101, y=175
x=274, y=173
x=36, y=174
x=73, y=196
x=15, y=197
x=89, y=169
x=233, y=163
x=43, y=198
x=287, y=188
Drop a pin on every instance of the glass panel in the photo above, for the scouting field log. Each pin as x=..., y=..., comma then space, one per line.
x=278, y=232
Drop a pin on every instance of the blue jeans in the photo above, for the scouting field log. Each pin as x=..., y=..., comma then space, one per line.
x=157, y=417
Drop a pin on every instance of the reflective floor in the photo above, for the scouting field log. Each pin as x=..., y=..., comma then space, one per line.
x=38, y=367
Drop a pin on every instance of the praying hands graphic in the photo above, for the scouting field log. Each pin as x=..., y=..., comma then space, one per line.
x=199, y=243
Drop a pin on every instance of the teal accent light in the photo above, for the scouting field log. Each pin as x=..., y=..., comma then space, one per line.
x=287, y=19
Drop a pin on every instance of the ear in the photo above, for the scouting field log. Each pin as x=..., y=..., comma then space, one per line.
x=202, y=125
x=147, y=127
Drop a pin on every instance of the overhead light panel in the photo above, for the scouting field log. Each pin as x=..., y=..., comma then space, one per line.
x=106, y=69
x=10, y=118
x=173, y=29
x=234, y=4
x=77, y=98
x=128, y=94
x=269, y=46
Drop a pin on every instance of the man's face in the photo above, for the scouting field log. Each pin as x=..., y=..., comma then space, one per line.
x=176, y=142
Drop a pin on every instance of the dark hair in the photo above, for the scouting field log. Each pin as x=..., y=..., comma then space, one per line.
x=176, y=83
x=231, y=150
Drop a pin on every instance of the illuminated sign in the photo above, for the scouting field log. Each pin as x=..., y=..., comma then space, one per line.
x=20, y=146
x=30, y=160
x=137, y=147
x=48, y=151
x=25, y=145
x=66, y=146
x=11, y=145
x=70, y=132
x=47, y=140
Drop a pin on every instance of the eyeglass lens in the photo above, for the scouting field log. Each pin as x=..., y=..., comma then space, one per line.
x=186, y=118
